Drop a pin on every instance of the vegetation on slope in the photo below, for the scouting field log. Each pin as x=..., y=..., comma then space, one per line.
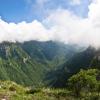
x=27, y=63
x=82, y=86
x=32, y=63
x=78, y=61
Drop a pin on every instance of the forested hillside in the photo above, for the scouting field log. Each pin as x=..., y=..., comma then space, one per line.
x=49, y=71
x=27, y=63
x=86, y=59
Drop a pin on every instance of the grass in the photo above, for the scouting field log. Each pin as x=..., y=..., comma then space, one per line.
x=12, y=91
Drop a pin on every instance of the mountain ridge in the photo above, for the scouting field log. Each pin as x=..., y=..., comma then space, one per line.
x=27, y=63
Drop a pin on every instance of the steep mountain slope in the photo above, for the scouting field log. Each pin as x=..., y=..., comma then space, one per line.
x=16, y=65
x=52, y=53
x=27, y=63
x=82, y=60
x=95, y=63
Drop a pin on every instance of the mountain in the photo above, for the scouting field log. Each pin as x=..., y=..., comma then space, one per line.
x=89, y=58
x=95, y=63
x=28, y=63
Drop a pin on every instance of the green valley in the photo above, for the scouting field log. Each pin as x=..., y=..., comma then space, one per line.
x=49, y=70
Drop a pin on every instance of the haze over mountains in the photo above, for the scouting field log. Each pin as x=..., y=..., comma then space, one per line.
x=48, y=52
x=50, y=49
x=50, y=63
x=28, y=63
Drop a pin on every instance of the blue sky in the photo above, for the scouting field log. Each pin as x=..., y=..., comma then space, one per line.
x=69, y=21
x=28, y=10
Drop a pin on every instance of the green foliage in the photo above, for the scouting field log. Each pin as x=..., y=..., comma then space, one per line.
x=33, y=91
x=80, y=60
x=23, y=93
x=85, y=80
x=12, y=91
x=27, y=63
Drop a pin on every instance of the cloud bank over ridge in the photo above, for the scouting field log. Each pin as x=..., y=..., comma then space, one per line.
x=61, y=25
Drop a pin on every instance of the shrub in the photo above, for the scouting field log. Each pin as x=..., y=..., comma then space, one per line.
x=32, y=91
x=12, y=88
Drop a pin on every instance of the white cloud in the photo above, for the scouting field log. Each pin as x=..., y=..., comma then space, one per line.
x=73, y=29
x=61, y=25
x=22, y=31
